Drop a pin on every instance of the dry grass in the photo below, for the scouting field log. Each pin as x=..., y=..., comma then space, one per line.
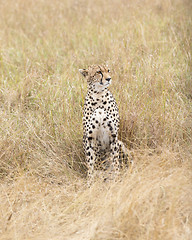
x=43, y=188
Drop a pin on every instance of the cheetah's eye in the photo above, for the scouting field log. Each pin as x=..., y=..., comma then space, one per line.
x=99, y=72
x=108, y=71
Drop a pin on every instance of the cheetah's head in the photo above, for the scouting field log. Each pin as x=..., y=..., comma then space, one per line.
x=98, y=77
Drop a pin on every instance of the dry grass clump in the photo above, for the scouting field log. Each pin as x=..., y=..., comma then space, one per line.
x=151, y=201
x=147, y=45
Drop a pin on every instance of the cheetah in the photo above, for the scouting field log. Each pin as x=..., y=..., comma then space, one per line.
x=100, y=122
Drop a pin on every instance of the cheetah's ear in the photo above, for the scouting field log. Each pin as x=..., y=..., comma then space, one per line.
x=84, y=72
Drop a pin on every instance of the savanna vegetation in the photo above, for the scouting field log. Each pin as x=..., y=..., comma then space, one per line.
x=43, y=192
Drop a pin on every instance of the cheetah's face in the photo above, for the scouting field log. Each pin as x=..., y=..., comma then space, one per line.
x=97, y=76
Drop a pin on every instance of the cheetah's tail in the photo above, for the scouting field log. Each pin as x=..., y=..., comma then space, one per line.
x=125, y=157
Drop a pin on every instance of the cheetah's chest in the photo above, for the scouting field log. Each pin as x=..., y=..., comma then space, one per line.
x=101, y=120
x=102, y=134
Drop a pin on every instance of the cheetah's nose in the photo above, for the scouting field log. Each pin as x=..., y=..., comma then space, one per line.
x=108, y=79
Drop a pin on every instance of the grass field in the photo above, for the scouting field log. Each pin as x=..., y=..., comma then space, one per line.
x=148, y=47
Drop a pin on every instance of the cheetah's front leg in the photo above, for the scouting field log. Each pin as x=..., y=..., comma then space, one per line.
x=90, y=159
x=115, y=156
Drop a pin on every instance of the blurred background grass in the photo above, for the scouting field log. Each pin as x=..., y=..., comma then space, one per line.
x=147, y=45
x=43, y=43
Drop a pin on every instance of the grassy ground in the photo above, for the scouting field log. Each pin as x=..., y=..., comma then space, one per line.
x=43, y=191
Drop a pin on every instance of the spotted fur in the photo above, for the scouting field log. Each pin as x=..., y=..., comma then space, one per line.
x=100, y=122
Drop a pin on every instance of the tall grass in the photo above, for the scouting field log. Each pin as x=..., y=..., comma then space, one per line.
x=147, y=44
